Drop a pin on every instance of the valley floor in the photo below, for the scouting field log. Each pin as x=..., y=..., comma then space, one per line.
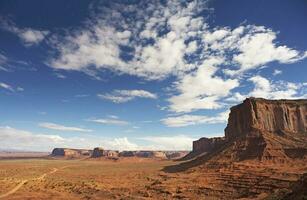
x=141, y=179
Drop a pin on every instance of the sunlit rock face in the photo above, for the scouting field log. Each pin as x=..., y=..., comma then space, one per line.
x=267, y=130
x=274, y=116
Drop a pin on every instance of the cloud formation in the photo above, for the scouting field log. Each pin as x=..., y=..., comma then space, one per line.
x=28, y=36
x=155, y=40
x=187, y=120
x=122, y=96
x=59, y=127
x=201, y=89
x=12, y=138
x=177, y=142
x=3, y=62
x=265, y=88
x=10, y=88
x=109, y=121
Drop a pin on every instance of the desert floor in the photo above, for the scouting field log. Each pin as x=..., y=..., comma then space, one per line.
x=135, y=178
x=78, y=179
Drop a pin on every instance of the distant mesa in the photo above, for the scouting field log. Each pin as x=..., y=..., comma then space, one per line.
x=99, y=152
x=258, y=129
x=72, y=153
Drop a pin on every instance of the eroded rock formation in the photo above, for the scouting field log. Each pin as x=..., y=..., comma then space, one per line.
x=276, y=116
x=207, y=144
x=100, y=152
x=66, y=152
x=97, y=152
x=261, y=129
x=267, y=130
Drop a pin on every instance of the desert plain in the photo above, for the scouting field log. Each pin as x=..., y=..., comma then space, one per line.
x=142, y=178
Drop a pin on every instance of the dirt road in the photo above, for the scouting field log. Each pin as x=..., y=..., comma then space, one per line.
x=15, y=189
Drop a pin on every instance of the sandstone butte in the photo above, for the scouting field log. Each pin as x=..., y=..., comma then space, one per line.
x=99, y=152
x=266, y=130
x=263, y=153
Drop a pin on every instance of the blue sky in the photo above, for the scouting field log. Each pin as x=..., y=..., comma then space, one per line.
x=141, y=74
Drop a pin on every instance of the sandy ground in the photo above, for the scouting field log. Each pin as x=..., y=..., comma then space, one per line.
x=140, y=179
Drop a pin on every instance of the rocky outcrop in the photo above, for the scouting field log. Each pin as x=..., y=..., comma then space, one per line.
x=274, y=116
x=268, y=129
x=172, y=155
x=66, y=152
x=262, y=156
x=204, y=146
x=100, y=152
x=97, y=152
x=127, y=153
x=144, y=154
x=151, y=154
x=207, y=144
x=257, y=129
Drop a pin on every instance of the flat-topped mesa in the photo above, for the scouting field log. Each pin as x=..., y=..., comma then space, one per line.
x=70, y=152
x=267, y=115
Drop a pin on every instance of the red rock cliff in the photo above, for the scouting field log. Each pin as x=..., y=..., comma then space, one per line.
x=261, y=129
x=267, y=115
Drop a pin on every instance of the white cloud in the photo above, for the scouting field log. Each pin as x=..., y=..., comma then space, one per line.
x=10, y=88
x=170, y=39
x=177, y=142
x=259, y=49
x=122, y=96
x=236, y=97
x=163, y=40
x=265, y=88
x=111, y=121
x=277, y=72
x=187, y=120
x=7, y=87
x=3, y=62
x=28, y=36
x=31, y=37
x=113, y=116
x=59, y=127
x=201, y=89
x=12, y=138
x=122, y=144
x=211, y=37
x=81, y=95
x=98, y=44
x=61, y=76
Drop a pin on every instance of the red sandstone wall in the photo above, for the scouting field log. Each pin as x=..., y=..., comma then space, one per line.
x=268, y=115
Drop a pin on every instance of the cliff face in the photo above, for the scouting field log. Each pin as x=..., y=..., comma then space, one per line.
x=275, y=116
x=262, y=129
x=268, y=130
x=207, y=144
